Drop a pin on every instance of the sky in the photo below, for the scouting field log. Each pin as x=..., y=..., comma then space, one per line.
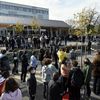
x=61, y=9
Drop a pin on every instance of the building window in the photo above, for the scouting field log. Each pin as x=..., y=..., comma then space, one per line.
x=40, y=16
x=33, y=11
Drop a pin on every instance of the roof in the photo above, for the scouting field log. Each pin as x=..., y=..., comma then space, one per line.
x=27, y=21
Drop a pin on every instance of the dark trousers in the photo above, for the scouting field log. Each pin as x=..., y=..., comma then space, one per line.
x=31, y=97
x=96, y=85
x=74, y=93
x=15, y=69
x=88, y=89
x=23, y=75
x=45, y=91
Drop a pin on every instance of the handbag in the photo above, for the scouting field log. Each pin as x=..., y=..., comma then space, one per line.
x=65, y=96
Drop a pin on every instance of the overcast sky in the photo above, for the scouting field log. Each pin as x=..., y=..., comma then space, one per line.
x=61, y=9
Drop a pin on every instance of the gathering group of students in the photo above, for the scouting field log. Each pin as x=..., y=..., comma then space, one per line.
x=66, y=82
x=60, y=82
x=9, y=87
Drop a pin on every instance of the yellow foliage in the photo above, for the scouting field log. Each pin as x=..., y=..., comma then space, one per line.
x=35, y=25
x=83, y=19
x=19, y=27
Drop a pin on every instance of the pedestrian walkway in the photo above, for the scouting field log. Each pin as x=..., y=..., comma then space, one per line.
x=23, y=86
x=39, y=95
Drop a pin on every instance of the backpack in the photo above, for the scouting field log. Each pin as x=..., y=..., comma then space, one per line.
x=72, y=55
x=77, y=78
x=4, y=63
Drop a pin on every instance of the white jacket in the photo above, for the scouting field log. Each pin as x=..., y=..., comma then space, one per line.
x=16, y=95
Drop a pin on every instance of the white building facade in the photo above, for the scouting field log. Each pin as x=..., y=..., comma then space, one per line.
x=24, y=11
x=12, y=13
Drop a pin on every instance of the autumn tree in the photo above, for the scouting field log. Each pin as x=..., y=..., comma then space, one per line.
x=86, y=21
x=97, y=29
x=19, y=28
x=35, y=25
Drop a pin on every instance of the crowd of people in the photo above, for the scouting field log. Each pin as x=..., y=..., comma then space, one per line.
x=62, y=76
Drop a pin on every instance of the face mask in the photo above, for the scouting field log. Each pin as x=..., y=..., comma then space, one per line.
x=33, y=71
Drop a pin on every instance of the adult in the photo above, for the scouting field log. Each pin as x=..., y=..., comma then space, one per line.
x=4, y=64
x=53, y=88
x=76, y=80
x=18, y=40
x=89, y=47
x=33, y=60
x=46, y=76
x=24, y=61
x=15, y=61
x=96, y=73
x=41, y=55
x=87, y=71
x=62, y=55
x=72, y=54
x=12, y=43
x=47, y=54
x=63, y=79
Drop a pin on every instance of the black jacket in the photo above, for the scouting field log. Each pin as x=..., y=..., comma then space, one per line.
x=24, y=61
x=74, y=91
x=4, y=63
x=54, y=91
x=32, y=84
x=63, y=85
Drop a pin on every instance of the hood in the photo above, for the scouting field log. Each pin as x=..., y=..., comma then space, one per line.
x=16, y=95
x=1, y=55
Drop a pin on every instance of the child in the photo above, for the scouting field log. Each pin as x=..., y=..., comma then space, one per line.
x=11, y=90
x=32, y=84
x=53, y=88
x=46, y=76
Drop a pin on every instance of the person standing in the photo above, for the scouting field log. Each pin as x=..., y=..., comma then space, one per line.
x=87, y=70
x=76, y=80
x=53, y=88
x=72, y=54
x=63, y=80
x=41, y=55
x=4, y=64
x=32, y=84
x=15, y=61
x=33, y=60
x=12, y=43
x=96, y=73
x=25, y=64
x=89, y=47
x=46, y=76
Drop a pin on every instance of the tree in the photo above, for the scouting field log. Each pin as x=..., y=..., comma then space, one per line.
x=19, y=27
x=97, y=29
x=86, y=20
x=35, y=25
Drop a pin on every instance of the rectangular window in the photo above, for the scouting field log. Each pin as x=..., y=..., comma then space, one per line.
x=15, y=8
x=24, y=9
